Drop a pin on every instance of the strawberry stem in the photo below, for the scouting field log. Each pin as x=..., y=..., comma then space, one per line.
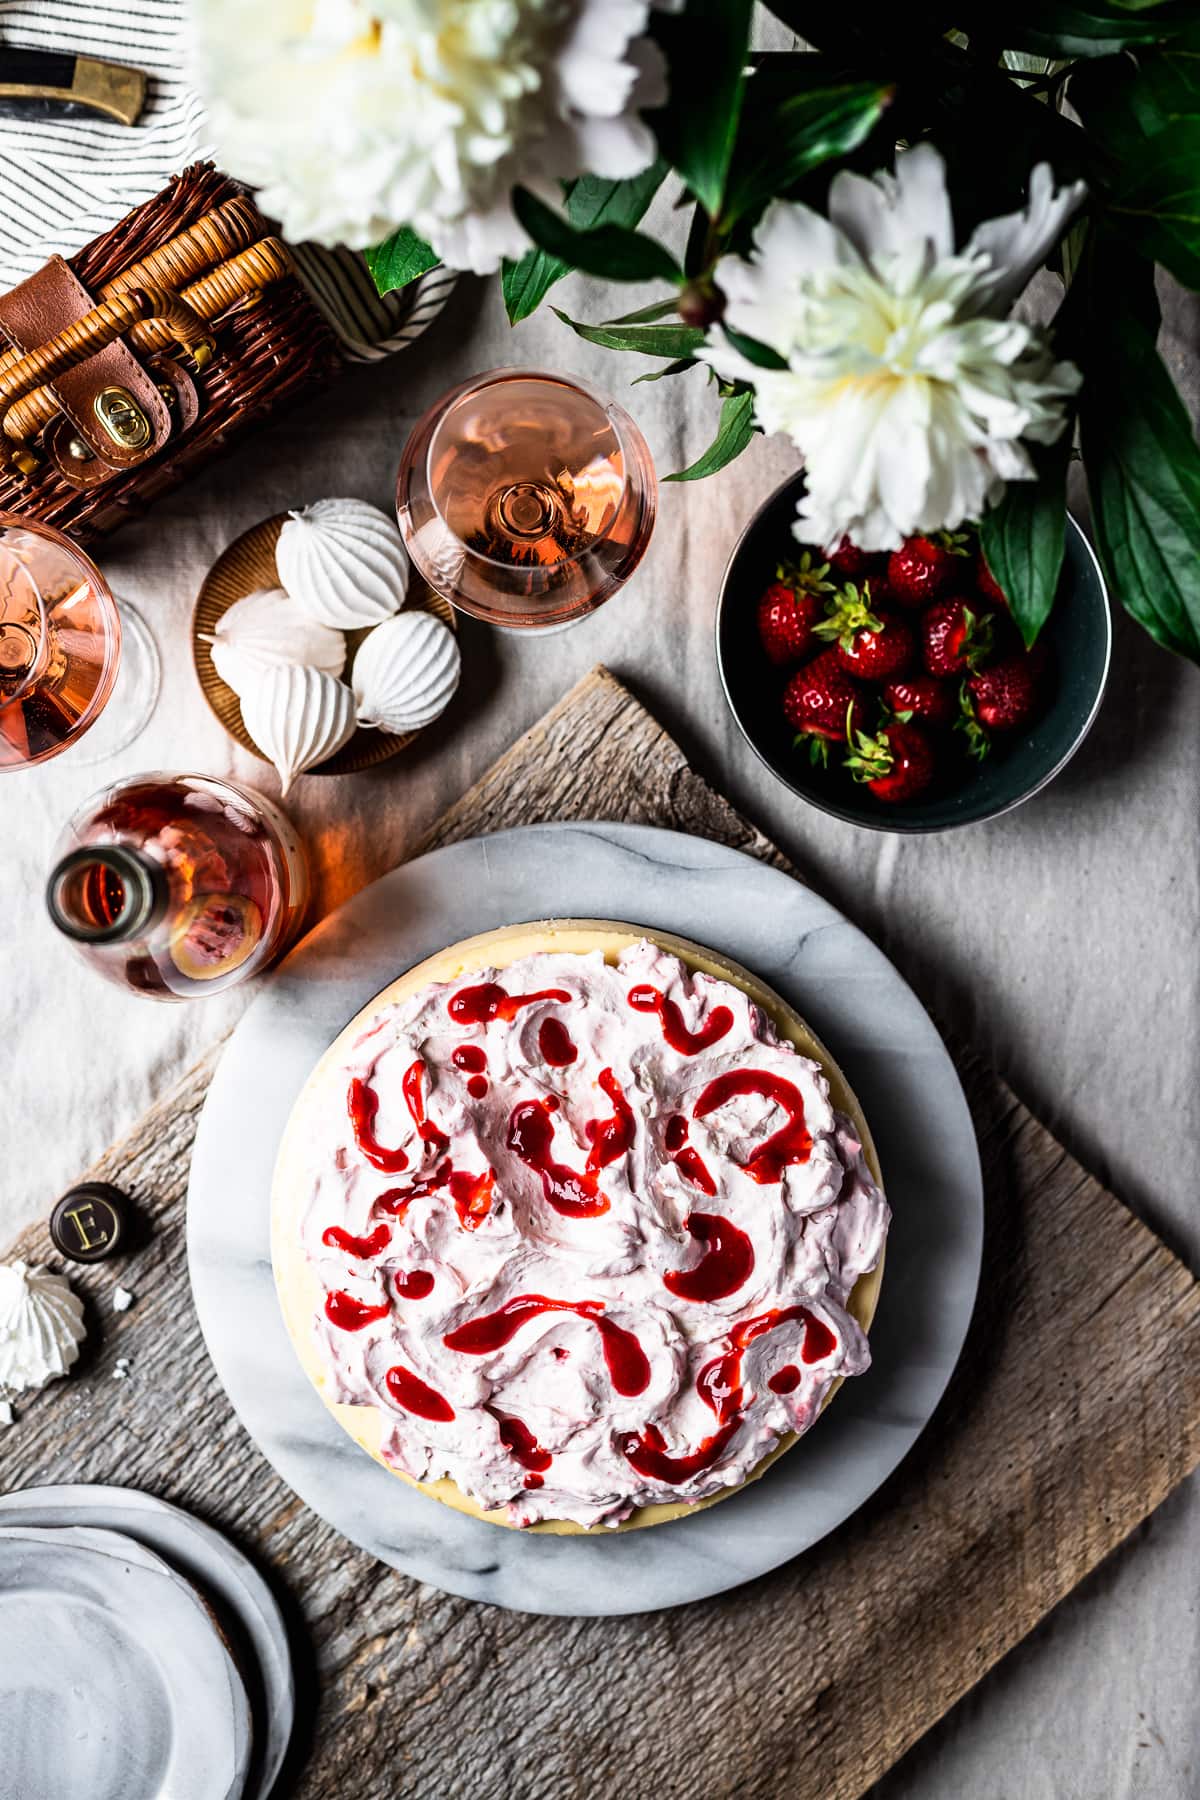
x=978, y=741
x=805, y=576
x=847, y=615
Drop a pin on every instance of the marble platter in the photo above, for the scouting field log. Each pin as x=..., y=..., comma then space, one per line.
x=222, y=1574
x=854, y=999
x=115, y=1683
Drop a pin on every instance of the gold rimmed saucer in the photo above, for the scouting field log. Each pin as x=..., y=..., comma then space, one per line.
x=249, y=563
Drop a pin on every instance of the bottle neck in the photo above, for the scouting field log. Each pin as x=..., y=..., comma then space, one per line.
x=106, y=894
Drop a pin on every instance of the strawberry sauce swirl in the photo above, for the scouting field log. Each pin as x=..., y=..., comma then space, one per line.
x=549, y=1209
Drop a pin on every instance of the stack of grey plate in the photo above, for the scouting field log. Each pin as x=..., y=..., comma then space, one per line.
x=141, y=1655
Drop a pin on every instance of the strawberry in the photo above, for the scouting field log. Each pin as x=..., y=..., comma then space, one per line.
x=785, y=623
x=955, y=636
x=849, y=563
x=822, y=702
x=987, y=584
x=791, y=607
x=924, y=568
x=922, y=697
x=1004, y=695
x=896, y=764
x=871, y=645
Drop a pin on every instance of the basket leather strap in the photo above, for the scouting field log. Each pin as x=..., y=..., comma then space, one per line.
x=44, y=305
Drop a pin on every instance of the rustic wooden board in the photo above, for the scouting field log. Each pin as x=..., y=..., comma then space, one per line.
x=1074, y=1412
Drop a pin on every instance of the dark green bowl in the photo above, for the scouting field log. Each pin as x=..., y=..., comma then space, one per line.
x=1079, y=630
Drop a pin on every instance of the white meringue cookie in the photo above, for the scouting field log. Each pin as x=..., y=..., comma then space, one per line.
x=298, y=717
x=405, y=672
x=266, y=628
x=344, y=563
x=41, y=1326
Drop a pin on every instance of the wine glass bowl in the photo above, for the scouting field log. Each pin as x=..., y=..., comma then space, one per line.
x=60, y=642
x=526, y=499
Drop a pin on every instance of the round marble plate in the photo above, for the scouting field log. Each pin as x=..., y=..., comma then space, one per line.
x=218, y=1569
x=114, y=1681
x=856, y=1002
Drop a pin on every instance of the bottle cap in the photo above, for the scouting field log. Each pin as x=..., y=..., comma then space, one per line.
x=90, y=1222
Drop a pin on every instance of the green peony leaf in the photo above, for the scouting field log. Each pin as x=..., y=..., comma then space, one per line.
x=652, y=340
x=679, y=367
x=1147, y=118
x=734, y=432
x=761, y=355
x=1142, y=461
x=793, y=122
x=707, y=49
x=1066, y=28
x=399, y=260
x=1023, y=538
x=591, y=202
x=612, y=252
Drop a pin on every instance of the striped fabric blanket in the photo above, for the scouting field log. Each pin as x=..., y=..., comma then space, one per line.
x=65, y=180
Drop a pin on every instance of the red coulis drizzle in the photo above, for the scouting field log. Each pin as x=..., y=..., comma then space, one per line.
x=786, y=1380
x=349, y=1314
x=725, y=1265
x=675, y=1032
x=362, y=1104
x=648, y=1453
x=397, y=1200
x=554, y=1043
x=790, y=1144
x=576, y=1194
x=719, y=1382
x=626, y=1360
x=471, y=1194
x=533, y=1481
x=479, y=1005
x=472, y=1197
x=415, y=1286
x=687, y=1160
x=609, y=1138
x=414, y=1094
x=410, y=1392
x=520, y=1443
x=473, y=1063
x=530, y=1135
x=362, y=1247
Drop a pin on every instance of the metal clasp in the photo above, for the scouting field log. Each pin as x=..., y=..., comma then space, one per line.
x=122, y=418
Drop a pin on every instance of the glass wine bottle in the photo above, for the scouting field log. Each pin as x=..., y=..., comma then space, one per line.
x=178, y=885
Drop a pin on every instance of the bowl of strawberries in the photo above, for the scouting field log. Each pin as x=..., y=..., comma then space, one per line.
x=893, y=690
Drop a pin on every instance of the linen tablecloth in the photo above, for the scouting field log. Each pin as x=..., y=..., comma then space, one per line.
x=1061, y=940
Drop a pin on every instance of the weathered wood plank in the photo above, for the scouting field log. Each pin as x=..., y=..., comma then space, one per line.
x=1075, y=1411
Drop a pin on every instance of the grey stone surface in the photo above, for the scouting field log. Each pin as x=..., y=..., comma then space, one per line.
x=1061, y=940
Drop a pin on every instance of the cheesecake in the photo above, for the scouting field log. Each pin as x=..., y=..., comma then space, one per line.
x=577, y=1227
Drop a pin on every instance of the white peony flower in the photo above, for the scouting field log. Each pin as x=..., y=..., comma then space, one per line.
x=353, y=117
x=908, y=391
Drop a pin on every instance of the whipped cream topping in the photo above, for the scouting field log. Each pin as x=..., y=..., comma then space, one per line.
x=585, y=1233
x=41, y=1326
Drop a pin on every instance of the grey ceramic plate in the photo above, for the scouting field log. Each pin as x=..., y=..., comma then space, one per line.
x=246, y=1606
x=114, y=1682
x=797, y=943
x=1079, y=632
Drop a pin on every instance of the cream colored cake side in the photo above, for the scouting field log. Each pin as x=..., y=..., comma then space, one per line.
x=300, y=1294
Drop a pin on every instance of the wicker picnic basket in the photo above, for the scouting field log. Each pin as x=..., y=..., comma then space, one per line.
x=148, y=353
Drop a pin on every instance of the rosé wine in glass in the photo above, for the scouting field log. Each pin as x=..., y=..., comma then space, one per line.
x=60, y=642
x=526, y=499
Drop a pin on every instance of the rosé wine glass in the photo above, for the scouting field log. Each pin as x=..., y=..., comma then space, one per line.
x=60, y=642
x=526, y=499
